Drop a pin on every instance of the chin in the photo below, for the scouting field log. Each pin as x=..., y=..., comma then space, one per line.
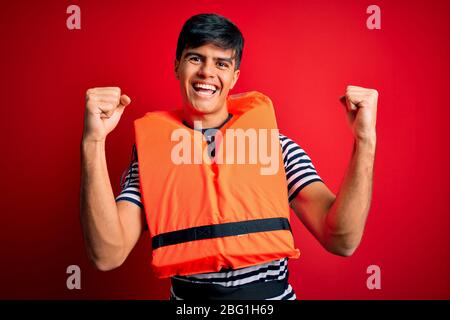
x=204, y=108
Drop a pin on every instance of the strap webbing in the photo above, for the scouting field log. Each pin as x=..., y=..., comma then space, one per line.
x=219, y=231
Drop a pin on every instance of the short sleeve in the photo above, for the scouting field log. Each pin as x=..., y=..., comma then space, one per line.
x=299, y=168
x=129, y=182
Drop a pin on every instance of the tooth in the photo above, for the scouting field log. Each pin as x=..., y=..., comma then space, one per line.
x=205, y=86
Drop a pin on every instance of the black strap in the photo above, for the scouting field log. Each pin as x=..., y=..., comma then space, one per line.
x=219, y=231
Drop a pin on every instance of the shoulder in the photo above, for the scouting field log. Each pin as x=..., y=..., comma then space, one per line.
x=290, y=149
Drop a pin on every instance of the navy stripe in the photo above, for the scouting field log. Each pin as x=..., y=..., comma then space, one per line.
x=263, y=277
x=289, y=295
x=300, y=177
x=288, y=158
x=134, y=172
x=137, y=193
x=296, y=170
x=132, y=184
x=287, y=144
x=294, y=194
x=288, y=168
x=245, y=275
x=296, y=157
x=131, y=200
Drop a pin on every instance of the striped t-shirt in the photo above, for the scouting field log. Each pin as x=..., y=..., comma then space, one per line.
x=299, y=173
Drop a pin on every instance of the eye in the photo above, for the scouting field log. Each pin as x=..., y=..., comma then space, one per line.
x=222, y=65
x=194, y=59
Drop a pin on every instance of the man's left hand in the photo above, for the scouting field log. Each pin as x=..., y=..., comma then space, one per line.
x=361, y=108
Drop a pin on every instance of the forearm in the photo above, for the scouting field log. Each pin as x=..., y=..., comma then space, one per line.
x=347, y=216
x=99, y=216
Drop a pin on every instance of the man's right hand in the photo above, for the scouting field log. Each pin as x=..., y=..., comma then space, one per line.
x=104, y=107
x=110, y=229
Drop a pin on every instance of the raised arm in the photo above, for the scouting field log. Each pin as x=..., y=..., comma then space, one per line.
x=110, y=230
x=338, y=221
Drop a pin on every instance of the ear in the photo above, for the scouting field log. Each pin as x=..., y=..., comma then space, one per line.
x=235, y=78
x=176, y=65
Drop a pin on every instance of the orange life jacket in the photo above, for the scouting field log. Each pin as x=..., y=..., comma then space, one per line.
x=203, y=217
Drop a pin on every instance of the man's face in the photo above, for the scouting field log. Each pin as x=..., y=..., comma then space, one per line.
x=206, y=75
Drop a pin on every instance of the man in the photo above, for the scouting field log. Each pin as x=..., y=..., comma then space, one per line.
x=207, y=66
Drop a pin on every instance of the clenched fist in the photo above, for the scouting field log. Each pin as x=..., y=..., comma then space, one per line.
x=104, y=107
x=361, y=107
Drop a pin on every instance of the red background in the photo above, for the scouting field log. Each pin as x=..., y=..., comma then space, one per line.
x=302, y=54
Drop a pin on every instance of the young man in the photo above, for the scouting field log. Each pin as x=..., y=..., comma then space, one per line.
x=220, y=231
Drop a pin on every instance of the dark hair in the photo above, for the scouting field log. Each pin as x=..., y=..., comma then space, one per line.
x=210, y=28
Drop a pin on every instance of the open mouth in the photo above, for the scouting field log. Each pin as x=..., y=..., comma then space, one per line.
x=204, y=89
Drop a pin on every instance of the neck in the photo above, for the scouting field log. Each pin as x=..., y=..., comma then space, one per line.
x=209, y=120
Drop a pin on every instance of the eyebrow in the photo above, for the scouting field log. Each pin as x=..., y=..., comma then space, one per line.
x=189, y=53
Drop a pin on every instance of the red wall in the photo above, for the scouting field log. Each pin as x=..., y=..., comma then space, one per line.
x=302, y=54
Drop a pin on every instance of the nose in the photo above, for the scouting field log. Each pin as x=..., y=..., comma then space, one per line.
x=207, y=69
